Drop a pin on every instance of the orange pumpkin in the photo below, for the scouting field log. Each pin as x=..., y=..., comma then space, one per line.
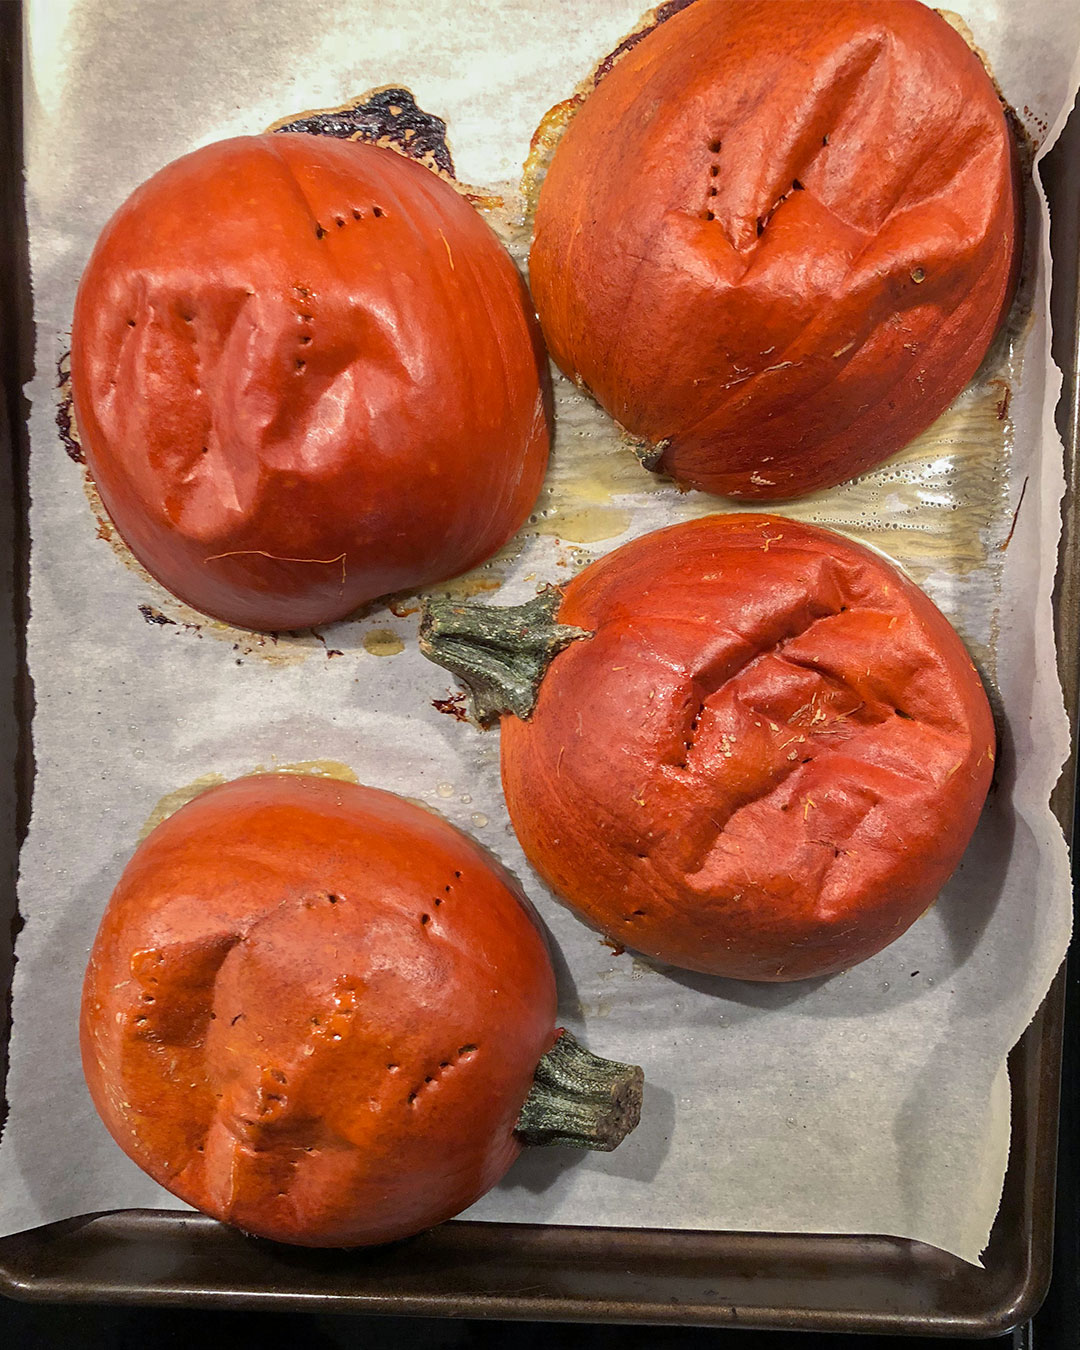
x=315, y=1011
x=777, y=238
x=306, y=374
x=741, y=745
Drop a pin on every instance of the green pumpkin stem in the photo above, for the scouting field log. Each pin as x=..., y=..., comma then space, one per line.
x=500, y=653
x=581, y=1100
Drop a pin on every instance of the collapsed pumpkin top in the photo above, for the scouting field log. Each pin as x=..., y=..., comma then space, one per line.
x=305, y=375
x=776, y=239
x=760, y=754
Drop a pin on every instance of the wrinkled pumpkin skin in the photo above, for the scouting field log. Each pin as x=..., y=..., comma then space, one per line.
x=273, y=1031
x=777, y=238
x=305, y=374
x=766, y=761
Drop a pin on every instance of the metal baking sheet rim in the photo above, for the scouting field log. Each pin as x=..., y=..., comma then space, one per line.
x=511, y=1271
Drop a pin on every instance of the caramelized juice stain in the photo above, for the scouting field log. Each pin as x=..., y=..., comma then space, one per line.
x=542, y=147
x=173, y=801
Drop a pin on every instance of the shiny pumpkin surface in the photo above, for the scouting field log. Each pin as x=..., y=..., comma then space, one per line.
x=305, y=374
x=766, y=760
x=314, y=1010
x=777, y=238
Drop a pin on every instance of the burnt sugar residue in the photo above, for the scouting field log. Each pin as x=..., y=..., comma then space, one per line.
x=453, y=705
x=155, y=616
x=387, y=117
x=652, y=19
x=65, y=411
x=330, y=651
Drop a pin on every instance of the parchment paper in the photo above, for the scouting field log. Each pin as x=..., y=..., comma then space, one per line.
x=875, y=1101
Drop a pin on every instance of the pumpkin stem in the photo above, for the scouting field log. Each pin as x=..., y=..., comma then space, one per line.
x=500, y=653
x=581, y=1100
x=650, y=453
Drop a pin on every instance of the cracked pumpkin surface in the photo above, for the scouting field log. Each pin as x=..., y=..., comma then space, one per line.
x=314, y=1010
x=765, y=761
x=305, y=374
x=777, y=238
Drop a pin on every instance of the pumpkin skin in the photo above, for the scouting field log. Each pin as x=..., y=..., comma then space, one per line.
x=777, y=238
x=314, y=1010
x=766, y=760
x=306, y=374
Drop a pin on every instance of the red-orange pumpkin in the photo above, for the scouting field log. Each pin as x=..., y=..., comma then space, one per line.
x=758, y=750
x=777, y=238
x=305, y=374
x=315, y=1011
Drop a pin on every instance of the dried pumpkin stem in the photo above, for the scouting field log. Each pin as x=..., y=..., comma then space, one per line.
x=581, y=1100
x=499, y=653
x=650, y=453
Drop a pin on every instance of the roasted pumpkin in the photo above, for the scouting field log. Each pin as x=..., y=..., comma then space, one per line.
x=322, y=1014
x=740, y=745
x=306, y=374
x=777, y=238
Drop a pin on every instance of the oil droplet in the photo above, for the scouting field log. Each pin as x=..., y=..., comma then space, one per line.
x=383, y=642
x=479, y=819
x=445, y=790
x=466, y=798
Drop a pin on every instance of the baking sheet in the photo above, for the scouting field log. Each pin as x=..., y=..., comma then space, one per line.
x=872, y=1102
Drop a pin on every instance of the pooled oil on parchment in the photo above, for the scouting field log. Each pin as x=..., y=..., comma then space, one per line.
x=875, y=1101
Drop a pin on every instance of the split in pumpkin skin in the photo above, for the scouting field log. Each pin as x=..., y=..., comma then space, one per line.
x=757, y=749
x=322, y=1014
